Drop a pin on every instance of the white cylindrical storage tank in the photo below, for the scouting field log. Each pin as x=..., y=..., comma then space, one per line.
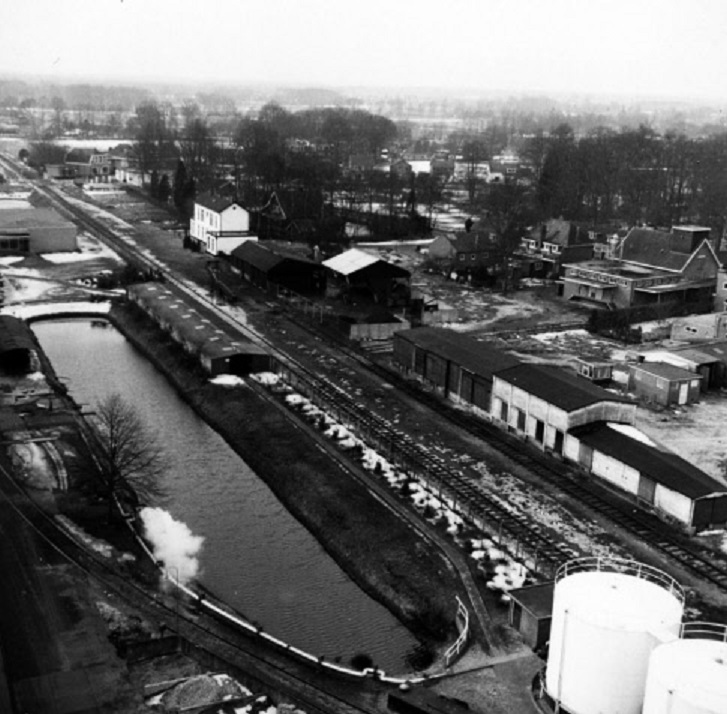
x=608, y=615
x=688, y=676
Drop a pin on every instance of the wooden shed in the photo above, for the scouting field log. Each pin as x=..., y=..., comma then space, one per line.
x=664, y=384
x=458, y=366
x=531, y=612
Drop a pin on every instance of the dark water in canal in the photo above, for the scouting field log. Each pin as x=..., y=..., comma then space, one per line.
x=255, y=556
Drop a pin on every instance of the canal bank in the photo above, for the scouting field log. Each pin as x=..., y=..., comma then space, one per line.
x=381, y=554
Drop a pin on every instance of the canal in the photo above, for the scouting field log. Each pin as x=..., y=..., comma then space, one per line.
x=256, y=556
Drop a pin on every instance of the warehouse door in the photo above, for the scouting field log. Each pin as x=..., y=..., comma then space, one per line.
x=683, y=392
x=647, y=489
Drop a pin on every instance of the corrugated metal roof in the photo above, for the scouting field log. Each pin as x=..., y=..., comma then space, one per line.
x=350, y=261
x=558, y=387
x=660, y=466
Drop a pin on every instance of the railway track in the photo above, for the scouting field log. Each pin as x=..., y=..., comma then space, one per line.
x=628, y=516
x=464, y=490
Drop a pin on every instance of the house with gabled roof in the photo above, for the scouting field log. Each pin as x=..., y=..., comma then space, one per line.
x=654, y=267
x=220, y=224
x=551, y=244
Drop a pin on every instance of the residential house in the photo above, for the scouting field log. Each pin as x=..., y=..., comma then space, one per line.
x=477, y=256
x=91, y=166
x=220, y=224
x=654, y=268
x=551, y=244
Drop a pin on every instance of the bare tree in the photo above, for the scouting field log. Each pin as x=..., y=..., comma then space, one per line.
x=130, y=458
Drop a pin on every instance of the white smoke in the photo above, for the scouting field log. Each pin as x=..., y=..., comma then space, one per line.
x=173, y=544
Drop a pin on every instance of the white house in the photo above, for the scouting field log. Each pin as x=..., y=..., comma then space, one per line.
x=220, y=224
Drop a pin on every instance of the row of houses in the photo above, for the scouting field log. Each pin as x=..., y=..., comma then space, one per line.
x=567, y=415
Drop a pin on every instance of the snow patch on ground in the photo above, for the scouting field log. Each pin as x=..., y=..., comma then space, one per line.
x=11, y=259
x=228, y=380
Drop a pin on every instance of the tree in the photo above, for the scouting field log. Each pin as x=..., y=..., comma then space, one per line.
x=151, y=136
x=130, y=459
x=164, y=189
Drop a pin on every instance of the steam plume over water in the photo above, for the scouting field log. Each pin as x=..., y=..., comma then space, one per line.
x=172, y=543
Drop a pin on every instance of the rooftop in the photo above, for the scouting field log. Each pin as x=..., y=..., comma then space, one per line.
x=480, y=358
x=353, y=260
x=667, y=371
x=558, y=387
x=661, y=466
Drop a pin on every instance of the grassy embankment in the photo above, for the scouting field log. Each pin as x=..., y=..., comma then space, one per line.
x=380, y=552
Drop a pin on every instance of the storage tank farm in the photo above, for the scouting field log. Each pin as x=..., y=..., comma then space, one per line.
x=608, y=616
x=689, y=675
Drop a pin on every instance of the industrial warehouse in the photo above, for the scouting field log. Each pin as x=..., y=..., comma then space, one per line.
x=218, y=353
x=566, y=415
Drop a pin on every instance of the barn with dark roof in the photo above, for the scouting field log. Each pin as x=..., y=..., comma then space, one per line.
x=268, y=268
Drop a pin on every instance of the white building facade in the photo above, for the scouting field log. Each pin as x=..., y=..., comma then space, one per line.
x=220, y=224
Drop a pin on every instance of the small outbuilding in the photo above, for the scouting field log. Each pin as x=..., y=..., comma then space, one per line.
x=664, y=384
x=531, y=612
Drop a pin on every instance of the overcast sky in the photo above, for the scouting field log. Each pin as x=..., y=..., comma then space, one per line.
x=675, y=48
